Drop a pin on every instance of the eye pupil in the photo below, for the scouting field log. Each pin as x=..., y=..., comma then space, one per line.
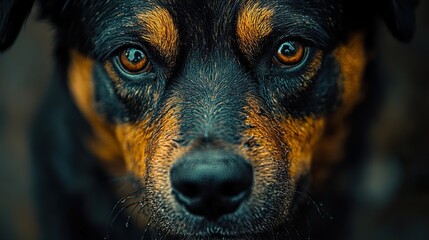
x=288, y=49
x=134, y=55
x=289, y=54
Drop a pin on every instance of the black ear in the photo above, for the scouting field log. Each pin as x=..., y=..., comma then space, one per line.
x=12, y=15
x=399, y=16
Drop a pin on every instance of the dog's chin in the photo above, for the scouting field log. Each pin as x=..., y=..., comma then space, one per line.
x=223, y=229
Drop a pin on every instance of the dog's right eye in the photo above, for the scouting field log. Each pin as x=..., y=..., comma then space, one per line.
x=133, y=61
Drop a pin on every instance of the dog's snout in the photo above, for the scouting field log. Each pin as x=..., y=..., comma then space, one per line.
x=211, y=183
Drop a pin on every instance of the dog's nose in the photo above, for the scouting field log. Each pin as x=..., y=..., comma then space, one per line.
x=211, y=183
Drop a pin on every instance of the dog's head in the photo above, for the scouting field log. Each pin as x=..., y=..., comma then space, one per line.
x=218, y=107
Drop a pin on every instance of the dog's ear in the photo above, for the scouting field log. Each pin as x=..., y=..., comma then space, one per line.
x=12, y=15
x=399, y=16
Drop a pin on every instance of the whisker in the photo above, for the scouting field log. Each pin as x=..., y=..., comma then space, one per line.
x=123, y=200
x=121, y=210
x=136, y=219
x=130, y=214
x=319, y=207
x=306, y=215
x=148, y=224
x=312, y=201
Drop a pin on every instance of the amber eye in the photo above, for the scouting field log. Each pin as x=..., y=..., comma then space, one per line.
x=289, y=54
x=134, y=61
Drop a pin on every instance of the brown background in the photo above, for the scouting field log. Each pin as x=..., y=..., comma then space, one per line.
x=392, y=196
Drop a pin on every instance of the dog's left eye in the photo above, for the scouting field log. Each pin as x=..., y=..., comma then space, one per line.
x=133, y=61
x=289, y=54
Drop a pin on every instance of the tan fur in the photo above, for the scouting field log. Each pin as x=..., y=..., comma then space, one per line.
x=301, y=136
x=253, y=24
x=352, y=59
x=142, y=142
x=282, y=143
x=161, y=32
x=150, y=151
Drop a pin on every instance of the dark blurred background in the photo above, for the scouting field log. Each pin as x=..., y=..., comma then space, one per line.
x=392, y=192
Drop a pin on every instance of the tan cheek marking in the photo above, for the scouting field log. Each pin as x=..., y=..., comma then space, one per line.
x=301, y=136
x=160, y=31
x=134, y=140
x=263, y=146
x=103, y=142
x=253, y=24
x=352, y=59
x=149, y=152
x=165, y=153
x=152, y=144
x=281, y=143
x=265, y=138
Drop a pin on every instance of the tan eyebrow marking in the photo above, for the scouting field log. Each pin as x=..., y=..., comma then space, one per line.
x=160, y=31
x=253, y=24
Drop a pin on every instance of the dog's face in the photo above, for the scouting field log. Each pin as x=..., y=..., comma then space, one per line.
x=217, y=107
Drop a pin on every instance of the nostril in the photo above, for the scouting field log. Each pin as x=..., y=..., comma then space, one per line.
x=189, y=189
x=232, y=189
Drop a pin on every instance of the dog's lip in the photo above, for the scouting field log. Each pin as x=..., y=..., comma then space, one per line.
x=249, y=221
x=229, y=227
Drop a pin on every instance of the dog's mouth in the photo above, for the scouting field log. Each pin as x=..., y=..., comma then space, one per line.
x=227, y=227
x=245, y=223
x=275, y=218
x=239, y=225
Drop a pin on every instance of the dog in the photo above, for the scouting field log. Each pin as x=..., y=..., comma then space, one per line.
x=190, y=119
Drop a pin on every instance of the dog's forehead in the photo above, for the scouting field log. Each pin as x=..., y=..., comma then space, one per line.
x=198, y=11
x=165, y=24
x=223, y=15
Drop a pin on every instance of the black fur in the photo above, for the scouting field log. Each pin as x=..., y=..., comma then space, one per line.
x=12, y=15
